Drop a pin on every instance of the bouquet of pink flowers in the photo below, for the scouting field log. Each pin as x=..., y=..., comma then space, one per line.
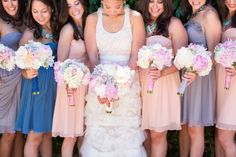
x=7, y=59
x=194, y=58
x=73, y=73
x=33, y=56
x=155, y=56
x=225, y=54
x=111, y=82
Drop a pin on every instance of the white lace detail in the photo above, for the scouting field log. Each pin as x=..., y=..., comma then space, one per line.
x=117, y=134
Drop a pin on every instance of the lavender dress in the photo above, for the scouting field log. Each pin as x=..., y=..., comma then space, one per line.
x=198, y=103
x=9, y=88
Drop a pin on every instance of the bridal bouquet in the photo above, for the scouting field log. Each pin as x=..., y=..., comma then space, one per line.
x=73, y=73
x=225, y=54
x=194, y=58
x=154, y=56
x=7, y=60
x=111, y=82
x=33, y=56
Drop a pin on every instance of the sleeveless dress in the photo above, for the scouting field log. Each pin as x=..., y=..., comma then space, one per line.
x=36, y=111
x=226, y=104
x=161, y=109
x=9, y=88
x=117, y=134
x=198, y=103
x=68, y=121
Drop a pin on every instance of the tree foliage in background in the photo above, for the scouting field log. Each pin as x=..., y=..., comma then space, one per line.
x=94, y=4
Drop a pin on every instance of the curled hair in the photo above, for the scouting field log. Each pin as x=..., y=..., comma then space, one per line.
x=64, y=18
x=16, y=20
x=224, y=11
x=32, y=24
x=187, y=10
x=162, y=21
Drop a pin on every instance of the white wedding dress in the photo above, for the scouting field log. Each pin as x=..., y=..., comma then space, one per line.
x=117, y=134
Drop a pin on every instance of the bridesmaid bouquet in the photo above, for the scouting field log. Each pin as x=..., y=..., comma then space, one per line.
x=194, y=58
x=111, y=82
x=73, y=73
x=225, y=54
x=33, y=56
x=7, y=59
x=154, y=56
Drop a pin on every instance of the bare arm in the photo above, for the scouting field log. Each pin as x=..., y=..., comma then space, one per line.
x=179, y=39
x=212, y=27
x=26, y=37
x=90, y=39
x=64, y=43
x=138, y=32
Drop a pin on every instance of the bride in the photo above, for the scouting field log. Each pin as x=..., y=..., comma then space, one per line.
x=114, y=34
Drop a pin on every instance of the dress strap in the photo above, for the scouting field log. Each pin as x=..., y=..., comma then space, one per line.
x=99, y=14
x=127, y=17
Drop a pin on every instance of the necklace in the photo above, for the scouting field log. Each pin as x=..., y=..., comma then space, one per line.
x=151, y=28
x=47, y=35
x=197, y=11
x=227, y=23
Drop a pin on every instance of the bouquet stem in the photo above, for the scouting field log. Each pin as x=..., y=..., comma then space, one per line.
x=182, y=87
x=71, y=100
x=35, y=87
x=109, y=107
x=228, y=79
x=150, y=85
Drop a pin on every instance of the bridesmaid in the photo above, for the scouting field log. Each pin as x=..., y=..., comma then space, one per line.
x=161, y=109
x=198, y=106
x=226, y=107
x=36, y=111
x=68, y=121
x=11, y=13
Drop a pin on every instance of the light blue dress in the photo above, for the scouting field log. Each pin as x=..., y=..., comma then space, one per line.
x=36, y=111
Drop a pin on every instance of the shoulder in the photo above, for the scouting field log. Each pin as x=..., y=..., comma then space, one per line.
x=28, y=34
x=210, y=14
x=67, y=29
x=135, y=14
x=135, y=17
x=92, y=18
x=175, y=24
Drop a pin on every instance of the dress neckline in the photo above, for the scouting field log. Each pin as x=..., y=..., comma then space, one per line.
x=124, y=22
x=8, y=34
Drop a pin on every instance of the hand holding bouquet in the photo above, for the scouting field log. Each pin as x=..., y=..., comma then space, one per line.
x=111, y=82
x=225, y=54
x=73, y=73
x=33, y=56
x=195, y=59
x=154, y=56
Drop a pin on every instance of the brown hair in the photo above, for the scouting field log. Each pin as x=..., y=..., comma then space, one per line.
x=224, y=11
x=32, y=24
x=64, y=18
x=18, y=19
x=162, y=21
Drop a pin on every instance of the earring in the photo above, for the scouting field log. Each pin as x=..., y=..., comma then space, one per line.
x=124, y=3
x=101, y=4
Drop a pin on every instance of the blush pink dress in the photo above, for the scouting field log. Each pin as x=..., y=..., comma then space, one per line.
x=226, y=102
x=68, y=121
x=161, y=109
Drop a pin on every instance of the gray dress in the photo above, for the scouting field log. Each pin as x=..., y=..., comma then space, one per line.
x=198, y=102
x=9, y=88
